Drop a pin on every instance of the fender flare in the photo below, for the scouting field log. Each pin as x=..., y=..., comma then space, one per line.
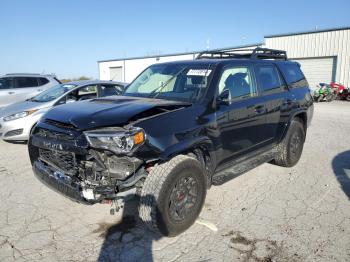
x=203, y=144
x=189, y=145
x=291, y=117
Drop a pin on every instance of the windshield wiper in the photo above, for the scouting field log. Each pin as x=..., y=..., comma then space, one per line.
x=158, y=90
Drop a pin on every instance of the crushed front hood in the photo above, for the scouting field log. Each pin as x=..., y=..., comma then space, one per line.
x=110, y=111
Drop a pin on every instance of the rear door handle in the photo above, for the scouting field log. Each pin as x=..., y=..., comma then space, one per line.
x=11, y=93
x=259, y=109
x=39, y=90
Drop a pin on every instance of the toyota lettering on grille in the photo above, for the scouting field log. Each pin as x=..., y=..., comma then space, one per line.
x=52, y=145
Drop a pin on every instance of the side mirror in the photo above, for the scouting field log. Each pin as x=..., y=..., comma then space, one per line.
x=224, y=97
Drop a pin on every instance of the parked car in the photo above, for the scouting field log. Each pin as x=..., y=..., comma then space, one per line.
x=17, y=120
x=176, y=126
x=19, y=87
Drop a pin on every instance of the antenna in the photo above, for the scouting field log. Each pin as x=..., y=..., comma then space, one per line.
x=208, y=44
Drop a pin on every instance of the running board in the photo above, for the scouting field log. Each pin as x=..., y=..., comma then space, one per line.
x=240, y=167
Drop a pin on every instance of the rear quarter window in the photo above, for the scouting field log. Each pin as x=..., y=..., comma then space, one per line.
x=293, y=75
x=42, y=81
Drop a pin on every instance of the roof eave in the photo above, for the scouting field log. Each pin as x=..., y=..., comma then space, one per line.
x=179, y=54
x=309, y=32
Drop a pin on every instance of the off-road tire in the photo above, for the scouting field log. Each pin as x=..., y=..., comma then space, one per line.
x=154, y=207
x=287, y=154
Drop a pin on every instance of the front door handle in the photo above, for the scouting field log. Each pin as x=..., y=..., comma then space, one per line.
x=11, y=93
x=39, y=90
x=287, y=102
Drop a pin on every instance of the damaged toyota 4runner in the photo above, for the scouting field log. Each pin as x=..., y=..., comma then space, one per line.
x=177, y=129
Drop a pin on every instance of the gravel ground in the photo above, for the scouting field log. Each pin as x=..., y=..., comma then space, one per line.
x=268, y=214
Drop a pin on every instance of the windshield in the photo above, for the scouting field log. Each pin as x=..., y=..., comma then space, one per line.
x=171, y=81
x=53, y=93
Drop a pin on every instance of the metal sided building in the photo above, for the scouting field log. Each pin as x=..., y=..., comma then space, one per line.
x=324, y=56
x=126, y=69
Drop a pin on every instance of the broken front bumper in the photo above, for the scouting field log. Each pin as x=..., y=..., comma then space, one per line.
x=60, y=183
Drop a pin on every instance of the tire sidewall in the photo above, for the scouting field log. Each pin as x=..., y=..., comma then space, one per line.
x=168, y=226
x=295, y=127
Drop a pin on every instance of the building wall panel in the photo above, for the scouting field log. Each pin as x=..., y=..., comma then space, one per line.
x=318, y=44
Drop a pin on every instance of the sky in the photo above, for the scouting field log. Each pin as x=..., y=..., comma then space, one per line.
x=68, y=37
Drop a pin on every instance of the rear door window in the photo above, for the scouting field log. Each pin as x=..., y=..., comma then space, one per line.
x=25, y=82
x=293, y=74
x=268, y=78
x=6, y=83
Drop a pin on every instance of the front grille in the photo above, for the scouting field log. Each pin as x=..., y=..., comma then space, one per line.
x=63, y=160
x=50, y=134
x=14, y=132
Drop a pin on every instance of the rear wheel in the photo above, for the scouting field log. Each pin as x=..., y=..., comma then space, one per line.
x=173, y=195
x=290, y=149
x=329, y=98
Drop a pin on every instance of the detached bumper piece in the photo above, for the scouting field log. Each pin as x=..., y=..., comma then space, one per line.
x=60, y=183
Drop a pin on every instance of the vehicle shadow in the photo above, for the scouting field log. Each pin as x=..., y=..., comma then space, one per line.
x=128, y=240
x=341, y=169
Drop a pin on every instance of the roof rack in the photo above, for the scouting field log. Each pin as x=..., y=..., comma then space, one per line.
x=257, y=53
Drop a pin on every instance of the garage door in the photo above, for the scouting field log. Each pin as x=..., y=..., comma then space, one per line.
x=318, y=70
x=116, y=73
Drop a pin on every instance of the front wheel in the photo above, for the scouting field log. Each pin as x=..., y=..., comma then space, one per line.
x=290, y=149
x=173, y=195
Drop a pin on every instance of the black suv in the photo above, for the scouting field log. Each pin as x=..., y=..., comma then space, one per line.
x=174, y=132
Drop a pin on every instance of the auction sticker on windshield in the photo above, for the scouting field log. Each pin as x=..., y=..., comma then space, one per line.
x=198, y=72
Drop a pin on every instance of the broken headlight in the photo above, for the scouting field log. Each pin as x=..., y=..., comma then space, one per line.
x=119, y=142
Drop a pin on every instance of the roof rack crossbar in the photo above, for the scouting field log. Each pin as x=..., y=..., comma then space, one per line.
x=257, y=53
